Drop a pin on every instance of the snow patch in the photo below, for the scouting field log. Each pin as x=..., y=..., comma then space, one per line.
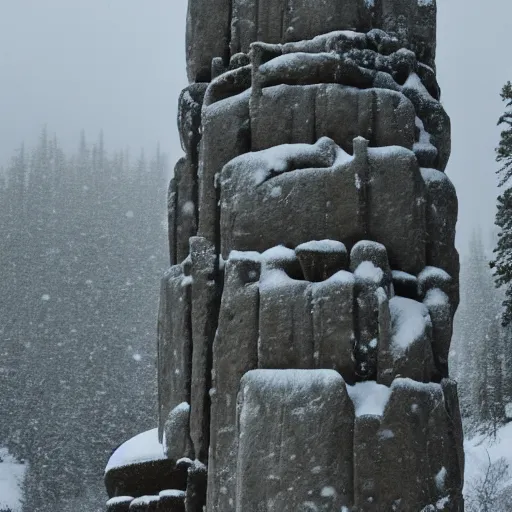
x=369, y=398
x=117, y=500
x=409, y=322
x=172, y=493
x=436, y=297
x=141, y=448
x=441, y=478
x=12, y=474
x=322, y=246
x=367, y=271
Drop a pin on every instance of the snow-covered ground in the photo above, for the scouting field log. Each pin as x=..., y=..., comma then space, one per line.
x=12, y=474
x=482, y=449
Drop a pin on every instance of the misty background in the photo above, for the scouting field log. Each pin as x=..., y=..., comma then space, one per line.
x=119, y=65
x=116, y=67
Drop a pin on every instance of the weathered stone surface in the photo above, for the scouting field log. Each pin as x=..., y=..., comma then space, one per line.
x=440, y=312
x=195, y=500
x=369, y=279
x=119, y=504
x=441, y=217
x=342, y=193
x=322, y=139
x=144, y=478
x=171, y=500
x=285, y=325
x=189, y=118
x=433, y=278
x=278, y=22
x=185, y=213
x=411, y=340
x=410, y=430
x=208, y=26
x=455, y=476
x=415, y=25
x=366, y=251
x=171, y=220
x=397, y=217
x=174, y=343
x=321, y=259
x=293, y=458
x=405, y=285
x=177, y=443
x=235, y=352
x=205, y=298
x=385, y=359
x=383, y=117
x=333, y=324
x=228, y=84
x=352, y=61
x=147, y=503
x=226, y=135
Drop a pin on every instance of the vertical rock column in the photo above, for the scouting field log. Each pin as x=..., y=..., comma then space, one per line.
x=306, y=320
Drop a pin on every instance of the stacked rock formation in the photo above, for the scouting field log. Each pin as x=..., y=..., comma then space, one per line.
x=306, y=320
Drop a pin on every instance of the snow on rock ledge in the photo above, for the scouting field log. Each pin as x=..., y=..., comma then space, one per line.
x=143, y=447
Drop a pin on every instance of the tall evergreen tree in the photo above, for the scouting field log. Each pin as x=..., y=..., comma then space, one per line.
x=478, y=341
x=502, y=264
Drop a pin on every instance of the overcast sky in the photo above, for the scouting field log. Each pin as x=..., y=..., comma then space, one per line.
x=119, y=65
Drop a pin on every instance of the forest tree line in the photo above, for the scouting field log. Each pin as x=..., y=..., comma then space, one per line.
x=83, y=248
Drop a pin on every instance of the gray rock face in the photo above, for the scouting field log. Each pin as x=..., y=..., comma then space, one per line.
x=404, y=432
x=174, y=342
x=293, y=458
x=343, y=191
x=235, y=352
x=306, y=321
x=177, y=443
x=212, y=26
x=119, y=504
x=204, y=324
x=171, y=500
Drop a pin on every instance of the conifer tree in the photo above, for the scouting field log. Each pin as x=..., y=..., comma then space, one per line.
x=502, y=264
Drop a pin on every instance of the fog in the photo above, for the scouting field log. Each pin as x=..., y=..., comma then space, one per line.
x=118, y=65
x=78, y=305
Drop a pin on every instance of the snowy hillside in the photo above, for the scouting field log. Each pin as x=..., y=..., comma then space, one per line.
x=488, y=471
x=12, y=474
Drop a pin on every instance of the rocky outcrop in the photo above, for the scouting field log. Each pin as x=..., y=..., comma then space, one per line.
x=306, y=320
